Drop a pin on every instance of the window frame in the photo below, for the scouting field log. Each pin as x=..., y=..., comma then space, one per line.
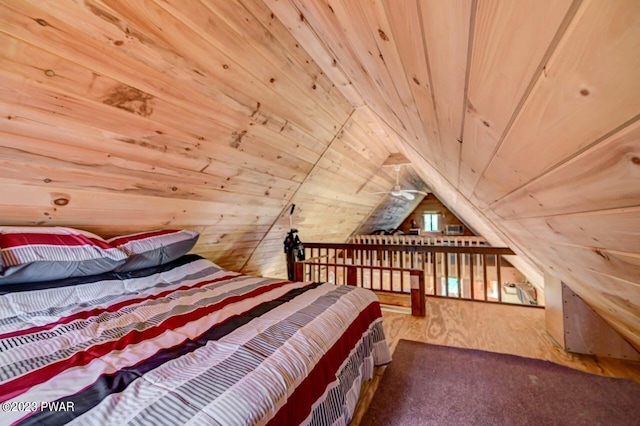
x=432, y=215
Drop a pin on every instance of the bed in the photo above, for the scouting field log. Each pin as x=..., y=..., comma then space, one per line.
x=185, y=342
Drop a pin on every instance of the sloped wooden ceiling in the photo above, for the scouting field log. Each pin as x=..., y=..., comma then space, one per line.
x=122, y=116
x=522, y=117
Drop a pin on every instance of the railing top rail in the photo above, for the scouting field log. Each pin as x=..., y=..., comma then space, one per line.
x=432, y=235
x=356, y=265
x=414, y=249
x=417, y=239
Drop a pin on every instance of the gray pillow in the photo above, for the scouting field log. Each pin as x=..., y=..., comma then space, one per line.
x=32, y=254
x=153, y=248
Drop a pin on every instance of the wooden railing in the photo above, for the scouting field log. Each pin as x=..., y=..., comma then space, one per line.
x=418, y=240
x=469, y=272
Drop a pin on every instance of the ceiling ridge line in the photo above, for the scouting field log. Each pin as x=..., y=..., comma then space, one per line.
x=431, y=89
x=334, y=57
x=286, y=207
x=575, y=155
x=555, y=42
x=422, y=131
x=416, y=131
x=465, y=99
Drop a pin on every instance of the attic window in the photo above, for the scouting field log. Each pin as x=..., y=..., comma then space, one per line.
x=431, y=222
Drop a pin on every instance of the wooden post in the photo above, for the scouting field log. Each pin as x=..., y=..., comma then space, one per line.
x=499, y=278
x=459, y=260
x=435, y=271
x=298, y=274
x=471, y=277
x=418, y=296
x=352, y=275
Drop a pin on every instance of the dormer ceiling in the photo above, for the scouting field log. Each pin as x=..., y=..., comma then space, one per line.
x=522, y=117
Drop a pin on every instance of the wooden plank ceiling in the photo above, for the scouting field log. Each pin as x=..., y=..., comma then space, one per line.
x=521, y=116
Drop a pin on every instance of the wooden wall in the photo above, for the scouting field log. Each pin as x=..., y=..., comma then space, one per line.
x=120, y=116
x=431, y=204
x=522, y=117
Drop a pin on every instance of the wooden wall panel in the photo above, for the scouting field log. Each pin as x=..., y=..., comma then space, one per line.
x=379, y=26
x=328, y=30
x=588, y=90
x=446, y=27
x=334, y=200
x=206, y=117
x=406, y=29
x=433, y=205
x=510, y=42
x=612, y=229
x=601, y=178
x=365, y=37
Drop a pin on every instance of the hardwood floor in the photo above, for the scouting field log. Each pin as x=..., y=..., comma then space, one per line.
x=506, y=329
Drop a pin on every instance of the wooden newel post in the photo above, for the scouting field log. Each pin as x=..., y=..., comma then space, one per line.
x=418, y=296
x=352, y=275
x=298, y=271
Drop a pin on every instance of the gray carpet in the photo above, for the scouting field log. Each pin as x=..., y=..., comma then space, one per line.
x=440, y=385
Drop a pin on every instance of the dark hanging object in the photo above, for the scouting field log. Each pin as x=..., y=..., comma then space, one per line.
x=293, y=247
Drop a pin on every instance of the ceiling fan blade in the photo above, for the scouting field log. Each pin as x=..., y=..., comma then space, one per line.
x=416, y=191
x=408, y=195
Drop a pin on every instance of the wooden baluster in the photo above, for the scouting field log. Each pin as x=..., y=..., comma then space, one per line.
x=459, y=260
x=347, y=254
x=380, y=257
x=484, y=276
x=342, y=268
x=434, y=267
x=471, y=277
x=446, y=270
x=336, y=264
x=389, y=264
x=326, y=267
x=361, y=263
x=401, y=255
x=371, y=269
x=499, y=277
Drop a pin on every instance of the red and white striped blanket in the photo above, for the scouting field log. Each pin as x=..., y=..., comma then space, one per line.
x=186, y=344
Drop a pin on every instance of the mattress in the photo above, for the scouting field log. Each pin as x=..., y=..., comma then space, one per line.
x=185, y=343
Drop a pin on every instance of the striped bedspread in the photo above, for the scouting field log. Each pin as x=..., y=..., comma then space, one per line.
x=186, y=343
